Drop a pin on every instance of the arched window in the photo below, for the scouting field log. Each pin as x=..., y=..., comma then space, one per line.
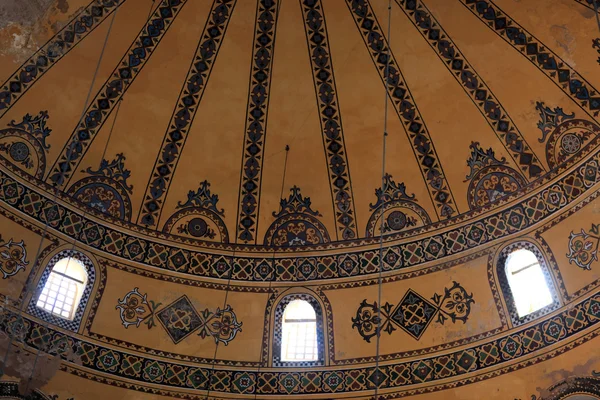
x=63, y=289
x=526, y=282
x=299, y=332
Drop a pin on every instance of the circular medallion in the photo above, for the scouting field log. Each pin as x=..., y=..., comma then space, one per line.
x=570, y=143
x=396, y=220
x=197, y=227
x=19, y=151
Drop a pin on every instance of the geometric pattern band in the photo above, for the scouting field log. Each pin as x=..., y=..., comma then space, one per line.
x=185, y=110
x=510, y=347
x=330, y=119
x=406, y=107
x=113, y=89
x=255, y=135
x=474, y=86
x=523, y=214
x=55, y=49
x=529, y=210
x=556, y=69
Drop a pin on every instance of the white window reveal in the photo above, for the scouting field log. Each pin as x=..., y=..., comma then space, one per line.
x=299, y=333
x=63, y=289
x=527, y=282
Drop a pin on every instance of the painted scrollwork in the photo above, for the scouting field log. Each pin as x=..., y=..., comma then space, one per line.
x=454, y=304
x=24, y=144
x=368, y=318
x=399, y=210
x=106, y=189
x=199, y=217
x=296, y=223
x=583, y=247
x=490, y=178
x=413, y=314
x=179, y=319
x=222, y=325
x=135, y=308
x=13, y=258
x=565, y=135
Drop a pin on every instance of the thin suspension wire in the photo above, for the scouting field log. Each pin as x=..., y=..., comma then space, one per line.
x=30, y=284
x=151, y=9
x=385, y=134
x=287, y=150
x=597, y=13
x=84, y=210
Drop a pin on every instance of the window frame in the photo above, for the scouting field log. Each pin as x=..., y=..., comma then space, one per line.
x=509, y=300
x=75, y=323
x=294, y=325
x=278, y=332
x=64, y=280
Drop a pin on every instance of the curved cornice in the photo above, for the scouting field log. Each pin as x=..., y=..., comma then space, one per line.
x=568, y=327
x=537, y=203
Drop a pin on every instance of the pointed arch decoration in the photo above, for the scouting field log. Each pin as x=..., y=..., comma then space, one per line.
x=296, y=223
x=489, y=178
x=24, y=145
x=199, y=217
x=565, y=136
x=401, y=211
x=106, y=189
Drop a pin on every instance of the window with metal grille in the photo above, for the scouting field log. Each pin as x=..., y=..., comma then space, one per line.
x=63, y=289
x=527, y=282
x=299, y=332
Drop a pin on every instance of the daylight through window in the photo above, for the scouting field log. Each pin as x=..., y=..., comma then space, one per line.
x=299, y=341
x=527, y=282
x=63, y=289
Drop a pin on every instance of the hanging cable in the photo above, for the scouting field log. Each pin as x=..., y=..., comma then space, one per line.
x=274, y=279
x=30, y=283
x=385, y=134
x=597, y=13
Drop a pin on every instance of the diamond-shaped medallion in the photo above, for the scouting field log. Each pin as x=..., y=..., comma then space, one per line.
x=413, y=314
x=179, y=319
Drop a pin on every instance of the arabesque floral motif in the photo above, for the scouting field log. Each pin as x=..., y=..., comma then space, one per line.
x=583, y=247
x=413, y=314
x=12, y=258
x=455, y=304
x=179, y=318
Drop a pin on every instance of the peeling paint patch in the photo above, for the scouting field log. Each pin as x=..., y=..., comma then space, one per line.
x=26, y=24
x=566, y=41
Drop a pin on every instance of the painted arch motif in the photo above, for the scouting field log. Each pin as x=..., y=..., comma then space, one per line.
x=106, y=189
x=199, y=217
x=395, y=210
x=24, y=145
x=296, y=223
x=489, y=178
x=565, y=136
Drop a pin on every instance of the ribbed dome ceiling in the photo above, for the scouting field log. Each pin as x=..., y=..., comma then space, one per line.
x=187, y=120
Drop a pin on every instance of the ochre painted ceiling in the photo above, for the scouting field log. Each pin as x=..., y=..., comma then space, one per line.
x=220, y=90
x=209, y=161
